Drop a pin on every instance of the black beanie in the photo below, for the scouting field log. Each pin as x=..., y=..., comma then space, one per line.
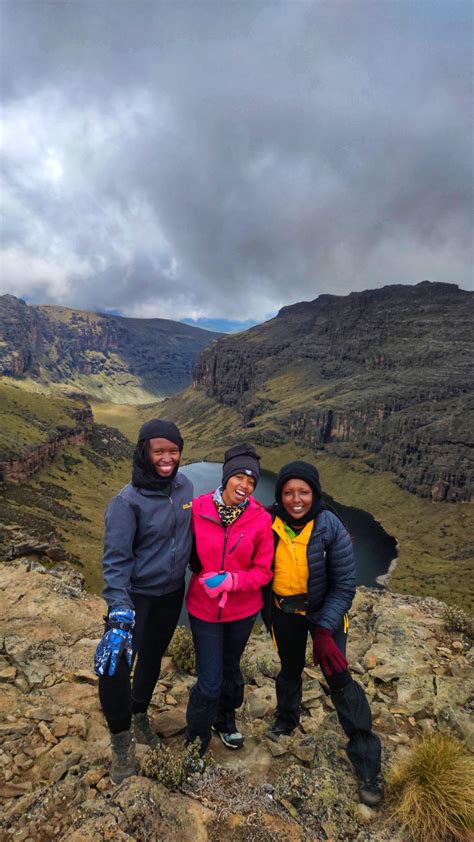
x=158, y=429
x=241, y=459
x=298, y=470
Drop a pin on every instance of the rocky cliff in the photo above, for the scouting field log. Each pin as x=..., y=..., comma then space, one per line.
x=34, y=427
x=132, y=360
x=54, y=751
x=384, y=374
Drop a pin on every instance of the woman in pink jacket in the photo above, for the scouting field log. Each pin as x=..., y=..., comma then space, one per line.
x=234, y=550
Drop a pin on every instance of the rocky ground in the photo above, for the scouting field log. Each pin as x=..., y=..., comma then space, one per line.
x=55, y=748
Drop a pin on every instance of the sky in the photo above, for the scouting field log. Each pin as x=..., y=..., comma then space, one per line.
x=215, y=161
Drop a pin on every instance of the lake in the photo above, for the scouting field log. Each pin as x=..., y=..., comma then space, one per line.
x=374, y=548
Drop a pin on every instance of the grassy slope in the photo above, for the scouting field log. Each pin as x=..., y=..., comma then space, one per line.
x=28, y=417
x=125, y=417
x=69, y=497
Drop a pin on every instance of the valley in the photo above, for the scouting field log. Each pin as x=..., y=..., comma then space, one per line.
x=385, y=414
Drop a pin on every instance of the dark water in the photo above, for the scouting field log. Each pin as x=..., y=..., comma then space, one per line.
x=374, y=549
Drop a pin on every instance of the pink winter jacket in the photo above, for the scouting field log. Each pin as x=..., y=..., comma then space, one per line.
x=245, y=547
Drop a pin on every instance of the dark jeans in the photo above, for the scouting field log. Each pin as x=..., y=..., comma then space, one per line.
x=156, y=618
x=290, y=632
x=219, y=689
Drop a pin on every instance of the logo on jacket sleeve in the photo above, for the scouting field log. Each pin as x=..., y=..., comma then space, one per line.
x=187, y=505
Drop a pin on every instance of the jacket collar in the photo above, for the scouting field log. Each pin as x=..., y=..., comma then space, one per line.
x=205, y=506
x=176, y=482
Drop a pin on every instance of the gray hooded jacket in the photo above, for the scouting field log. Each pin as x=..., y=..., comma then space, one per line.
x=147, y=542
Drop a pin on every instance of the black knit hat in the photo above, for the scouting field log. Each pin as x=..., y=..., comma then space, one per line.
x=158, y=429
x=241, y=459
x=298, y=470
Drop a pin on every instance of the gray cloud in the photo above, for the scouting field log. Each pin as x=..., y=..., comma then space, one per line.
x=223, y=159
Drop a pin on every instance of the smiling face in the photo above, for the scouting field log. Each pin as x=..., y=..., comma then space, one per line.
x=297, y=497
x=237, y=489
x=164, y=455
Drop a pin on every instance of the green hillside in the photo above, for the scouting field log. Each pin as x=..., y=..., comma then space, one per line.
x=30, y=417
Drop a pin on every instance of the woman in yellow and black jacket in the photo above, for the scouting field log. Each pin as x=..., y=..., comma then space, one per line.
x=312, y=591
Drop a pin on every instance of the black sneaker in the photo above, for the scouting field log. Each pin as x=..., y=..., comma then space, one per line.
x=231, y=740
x=278, y=729
x=371, y=791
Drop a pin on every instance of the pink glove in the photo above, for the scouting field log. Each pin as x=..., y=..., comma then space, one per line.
x=326, y=652
x=219, y=583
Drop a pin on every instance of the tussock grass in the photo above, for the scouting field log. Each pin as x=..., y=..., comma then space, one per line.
x=455, y=619
x=431, y=791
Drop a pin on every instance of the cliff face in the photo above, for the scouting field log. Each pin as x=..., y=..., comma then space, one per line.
x=67, y=346
x=384, y=373
x=34, y=427
x=23, y=468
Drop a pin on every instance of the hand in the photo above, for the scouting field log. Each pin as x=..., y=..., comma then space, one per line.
x=326, y=652
x=218, y=583
x=117, y=641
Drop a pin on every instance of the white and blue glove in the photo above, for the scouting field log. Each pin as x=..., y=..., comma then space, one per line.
x=117, y=641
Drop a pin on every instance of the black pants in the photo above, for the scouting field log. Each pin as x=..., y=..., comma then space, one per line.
x=219, y=689
x=156, y=618
x=290, y=632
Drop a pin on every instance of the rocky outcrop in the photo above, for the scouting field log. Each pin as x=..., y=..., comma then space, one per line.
x=63, y=345
x=21, y=469
x=22, y=466
x=54, y=753
x=384, y=374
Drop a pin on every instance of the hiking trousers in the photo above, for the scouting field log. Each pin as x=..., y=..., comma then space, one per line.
x=290, y=632
x=156, y=618
x=219, y=689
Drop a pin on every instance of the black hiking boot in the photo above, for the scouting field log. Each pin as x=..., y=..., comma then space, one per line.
x=144, y=733
x=371, y=791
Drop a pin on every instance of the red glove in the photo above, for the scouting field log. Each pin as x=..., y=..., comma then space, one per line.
x=326, y=652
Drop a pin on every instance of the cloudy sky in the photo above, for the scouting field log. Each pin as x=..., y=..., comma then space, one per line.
x=217, y=160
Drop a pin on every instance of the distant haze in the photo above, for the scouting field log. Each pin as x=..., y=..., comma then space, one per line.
x=217, y=160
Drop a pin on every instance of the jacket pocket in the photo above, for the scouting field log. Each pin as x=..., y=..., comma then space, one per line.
x=236, y=543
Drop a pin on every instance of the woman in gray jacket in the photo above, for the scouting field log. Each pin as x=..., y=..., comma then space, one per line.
x=147, y=546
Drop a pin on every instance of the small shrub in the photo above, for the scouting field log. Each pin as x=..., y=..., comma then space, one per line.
x=171, y=768
x=248, y=668
x=181, y=649
x=455, y=619
x=267, y=666
x=431, y=791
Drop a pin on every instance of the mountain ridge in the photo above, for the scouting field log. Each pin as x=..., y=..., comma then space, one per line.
x=379, y=374
x=108, y=357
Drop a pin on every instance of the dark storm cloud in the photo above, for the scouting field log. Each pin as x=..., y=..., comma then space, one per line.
x=223, y=159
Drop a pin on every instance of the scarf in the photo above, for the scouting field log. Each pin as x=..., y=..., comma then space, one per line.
x=228, y=514
x=144, y=474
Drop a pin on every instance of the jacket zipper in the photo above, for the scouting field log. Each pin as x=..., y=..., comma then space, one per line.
x=222, y=570
x=173, y=545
